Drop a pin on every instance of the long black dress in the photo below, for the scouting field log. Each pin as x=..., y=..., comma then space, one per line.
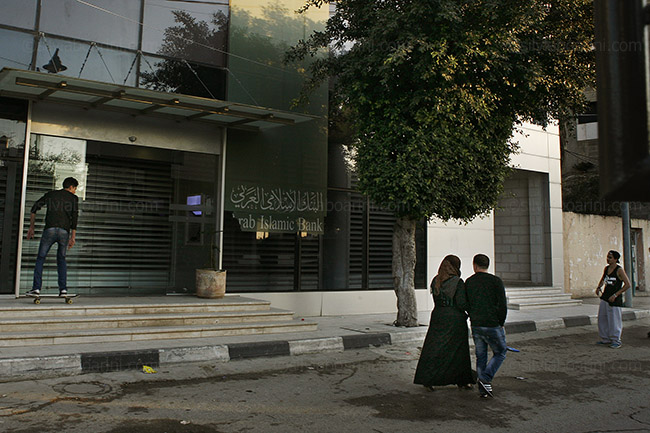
x=445, y=354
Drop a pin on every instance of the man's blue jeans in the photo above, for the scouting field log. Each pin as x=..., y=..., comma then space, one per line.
x=50, y=237
x=496, y=339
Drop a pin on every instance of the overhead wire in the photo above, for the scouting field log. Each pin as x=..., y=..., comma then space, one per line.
x=581, y=156
x=181, y=37
x=14, y=61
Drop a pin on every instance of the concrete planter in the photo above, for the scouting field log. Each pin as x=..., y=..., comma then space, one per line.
x=210, y=283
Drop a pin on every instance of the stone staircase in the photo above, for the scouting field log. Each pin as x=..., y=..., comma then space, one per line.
x=528, y=298
x=90, y=320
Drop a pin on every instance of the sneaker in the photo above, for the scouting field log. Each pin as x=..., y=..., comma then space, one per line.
x=34, y=292
x=63, y=292
x=603, y=343
x=485, y=389
x=615, y=345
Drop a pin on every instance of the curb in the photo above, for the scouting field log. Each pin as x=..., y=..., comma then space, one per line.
x=102, y=362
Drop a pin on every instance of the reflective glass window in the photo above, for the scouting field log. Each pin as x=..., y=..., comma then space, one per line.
x=258, y=261
x=261, y=31
x=51, y=159
x=15, y=49
x=86, y=61
x=13, y=116
x=19, y=13
x=147, y=217
x=113, y=22
x=193, y=31
x=188, y=78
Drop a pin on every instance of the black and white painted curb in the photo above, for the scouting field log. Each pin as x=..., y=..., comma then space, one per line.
x=135, y=359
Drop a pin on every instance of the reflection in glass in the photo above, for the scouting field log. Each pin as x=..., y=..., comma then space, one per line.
x=261, y=31
x=193, y=31
x=166, y=75
x=49, y=158
x=16, y=49
x=112, y=22
x=88, y=61
x=258, y=261
x=60, y=158
x=13, y=115
x=18, y=13
x=137, y=234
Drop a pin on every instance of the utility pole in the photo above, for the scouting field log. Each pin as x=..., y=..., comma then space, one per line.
x=627, y=251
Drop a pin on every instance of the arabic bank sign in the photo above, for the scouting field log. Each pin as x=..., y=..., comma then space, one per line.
x=277, y=209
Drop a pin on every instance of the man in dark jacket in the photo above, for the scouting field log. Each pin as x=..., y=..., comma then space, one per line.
x=60, y=228
x=487, y=308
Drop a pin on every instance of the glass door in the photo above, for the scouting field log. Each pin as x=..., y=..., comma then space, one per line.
x=147, y=216
x=51, y=160
x=12, y=145
x=193, y=216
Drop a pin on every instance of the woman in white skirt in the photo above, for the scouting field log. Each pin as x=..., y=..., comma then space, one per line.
x=610, y=321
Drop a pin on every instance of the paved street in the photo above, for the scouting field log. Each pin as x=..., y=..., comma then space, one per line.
x=560, y=381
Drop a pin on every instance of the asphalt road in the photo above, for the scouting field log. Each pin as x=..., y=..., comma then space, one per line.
x=559, y=382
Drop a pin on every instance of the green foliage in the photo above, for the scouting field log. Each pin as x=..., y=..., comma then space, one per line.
x=435, y=87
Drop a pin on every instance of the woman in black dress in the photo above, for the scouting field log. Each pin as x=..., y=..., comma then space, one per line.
x=445, y=354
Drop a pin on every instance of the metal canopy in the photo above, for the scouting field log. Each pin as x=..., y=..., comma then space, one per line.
x=39, y=86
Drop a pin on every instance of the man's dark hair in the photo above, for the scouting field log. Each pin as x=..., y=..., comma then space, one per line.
x=482, y=261
x=616, y=255
x=70, y=181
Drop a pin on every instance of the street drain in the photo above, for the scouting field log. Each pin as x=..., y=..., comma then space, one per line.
x=89, y=389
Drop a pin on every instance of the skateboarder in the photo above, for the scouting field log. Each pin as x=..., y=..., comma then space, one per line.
x=60, y=228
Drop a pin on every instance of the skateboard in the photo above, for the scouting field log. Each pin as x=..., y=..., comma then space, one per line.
x=68, y=297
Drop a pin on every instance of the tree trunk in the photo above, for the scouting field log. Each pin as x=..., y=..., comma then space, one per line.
x=404, y=271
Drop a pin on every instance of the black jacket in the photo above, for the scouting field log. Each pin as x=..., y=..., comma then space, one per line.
x=486, y=300
x=62, y=209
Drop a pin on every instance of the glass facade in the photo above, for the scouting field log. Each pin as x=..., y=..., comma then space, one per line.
x=15, y=49
x=110, y=22
x=175, y=46
x=82, y=60
x=13, y=117
x=148, y=216
x=18, y=13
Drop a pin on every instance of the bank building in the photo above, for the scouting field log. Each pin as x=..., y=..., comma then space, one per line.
x=177, y=118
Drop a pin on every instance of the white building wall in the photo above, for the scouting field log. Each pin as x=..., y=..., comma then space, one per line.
x=539, y=152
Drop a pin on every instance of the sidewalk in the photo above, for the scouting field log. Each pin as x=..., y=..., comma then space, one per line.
x=334, y=334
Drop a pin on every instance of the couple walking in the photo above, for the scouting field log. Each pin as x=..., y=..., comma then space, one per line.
x=445, y=356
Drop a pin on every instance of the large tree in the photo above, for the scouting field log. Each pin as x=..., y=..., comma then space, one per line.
x=434, y=89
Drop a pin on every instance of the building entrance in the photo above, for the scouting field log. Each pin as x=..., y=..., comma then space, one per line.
x=521, y=230
x=147, y=215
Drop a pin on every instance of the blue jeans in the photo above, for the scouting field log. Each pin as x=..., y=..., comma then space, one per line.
x=496, y=339
x=50, y=237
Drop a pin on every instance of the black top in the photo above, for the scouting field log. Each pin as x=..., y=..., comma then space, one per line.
x=486, y=300
x=452, y=293
x=62, y=209
x=612, y=285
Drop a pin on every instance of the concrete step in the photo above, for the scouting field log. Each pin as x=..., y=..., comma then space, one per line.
x=53, y=308
x=140, y=320
x=529, y=305
x=90, y=320
x=534, y=291
x=530, y=298
x=76, y=336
